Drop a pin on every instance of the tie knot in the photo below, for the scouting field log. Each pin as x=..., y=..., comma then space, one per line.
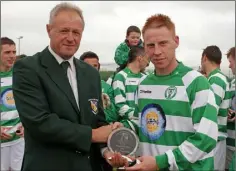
x=65, y=66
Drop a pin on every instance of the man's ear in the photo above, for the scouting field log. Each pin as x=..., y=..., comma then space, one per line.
x=49, y=28
x=176, y=39
x=204, y=58
x=139, y=58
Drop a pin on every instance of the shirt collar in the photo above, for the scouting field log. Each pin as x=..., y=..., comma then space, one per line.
x=60, y=59
x=213, y=72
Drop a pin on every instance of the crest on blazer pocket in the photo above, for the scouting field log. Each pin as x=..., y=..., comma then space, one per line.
x=94, y=105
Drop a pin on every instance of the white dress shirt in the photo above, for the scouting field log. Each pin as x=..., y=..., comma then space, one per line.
x=71, y=73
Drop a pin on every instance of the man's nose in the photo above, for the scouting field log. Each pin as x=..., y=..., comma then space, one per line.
x=157, y=50
x=70, y=36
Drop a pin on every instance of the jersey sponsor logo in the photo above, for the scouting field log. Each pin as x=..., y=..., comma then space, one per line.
x=153, y=121
x=7, y=99
x=170, y=92
x=132, y=81
x=94, y=105
x=145, y=91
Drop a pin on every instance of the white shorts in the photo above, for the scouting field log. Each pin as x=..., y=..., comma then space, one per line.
x=220, y=156
x=12, y=156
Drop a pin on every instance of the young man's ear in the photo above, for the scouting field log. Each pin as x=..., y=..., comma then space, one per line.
x=139, y=58
x=204, y=58
x=176, y=39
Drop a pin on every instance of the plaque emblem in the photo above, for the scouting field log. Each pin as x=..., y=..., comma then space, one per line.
x=123, y=140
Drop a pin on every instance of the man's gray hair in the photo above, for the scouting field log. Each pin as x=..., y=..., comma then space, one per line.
x=65, y=6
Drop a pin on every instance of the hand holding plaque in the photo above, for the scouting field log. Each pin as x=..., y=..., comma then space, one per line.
x=125, y=142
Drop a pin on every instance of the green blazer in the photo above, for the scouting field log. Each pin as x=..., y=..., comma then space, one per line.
x=57, y=132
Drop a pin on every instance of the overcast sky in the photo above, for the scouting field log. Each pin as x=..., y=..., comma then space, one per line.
x=198, y=25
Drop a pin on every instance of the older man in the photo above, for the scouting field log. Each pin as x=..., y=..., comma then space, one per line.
x=60, y=108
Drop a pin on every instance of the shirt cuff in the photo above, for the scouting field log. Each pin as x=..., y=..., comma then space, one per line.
x=162, y=161
x=103, y=150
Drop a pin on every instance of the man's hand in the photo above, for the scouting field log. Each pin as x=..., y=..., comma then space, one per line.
x=231, y=115
x=147, y=163
x=116, y=125
x=20, y=131
x=4, y=135
x=100, y=135
x=115, y=159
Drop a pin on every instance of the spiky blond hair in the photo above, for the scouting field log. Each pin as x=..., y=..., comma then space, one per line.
x=157, y=21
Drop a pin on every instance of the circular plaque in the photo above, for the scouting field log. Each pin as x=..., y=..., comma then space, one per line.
x=124, y=141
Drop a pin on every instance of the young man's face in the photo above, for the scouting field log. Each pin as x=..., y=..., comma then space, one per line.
x=93, y=62
x=8, y=55
x=144, y=62
x=160, y=45
x=133, y=38
x=231, y=60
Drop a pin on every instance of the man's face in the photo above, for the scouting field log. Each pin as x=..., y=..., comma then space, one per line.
x=93, y=62
x=144, y=62
x=65, y=33
x=160, y=44
x=133, y=38
x=8, y=55
x=231, y=60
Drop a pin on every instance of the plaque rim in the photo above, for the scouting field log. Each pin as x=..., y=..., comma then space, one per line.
x=123, y=128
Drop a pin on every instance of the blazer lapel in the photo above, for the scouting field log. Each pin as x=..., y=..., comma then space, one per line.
x=82, y=89
x=55, y=72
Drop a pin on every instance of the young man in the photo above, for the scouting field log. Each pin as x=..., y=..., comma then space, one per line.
x=230, y=161
x=126, y=81
x=176, y=107
x=12, y=132
x=211, y=60
x=107, y=91
x=61, y=109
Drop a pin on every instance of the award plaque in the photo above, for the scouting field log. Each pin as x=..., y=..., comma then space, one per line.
x=124, y=141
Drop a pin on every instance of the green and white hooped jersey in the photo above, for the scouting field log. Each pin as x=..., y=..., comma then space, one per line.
x=177, y=119
x=231, y=125
x=220, y=86
x=109, y=80
x=9, y=116
x=124, y=85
